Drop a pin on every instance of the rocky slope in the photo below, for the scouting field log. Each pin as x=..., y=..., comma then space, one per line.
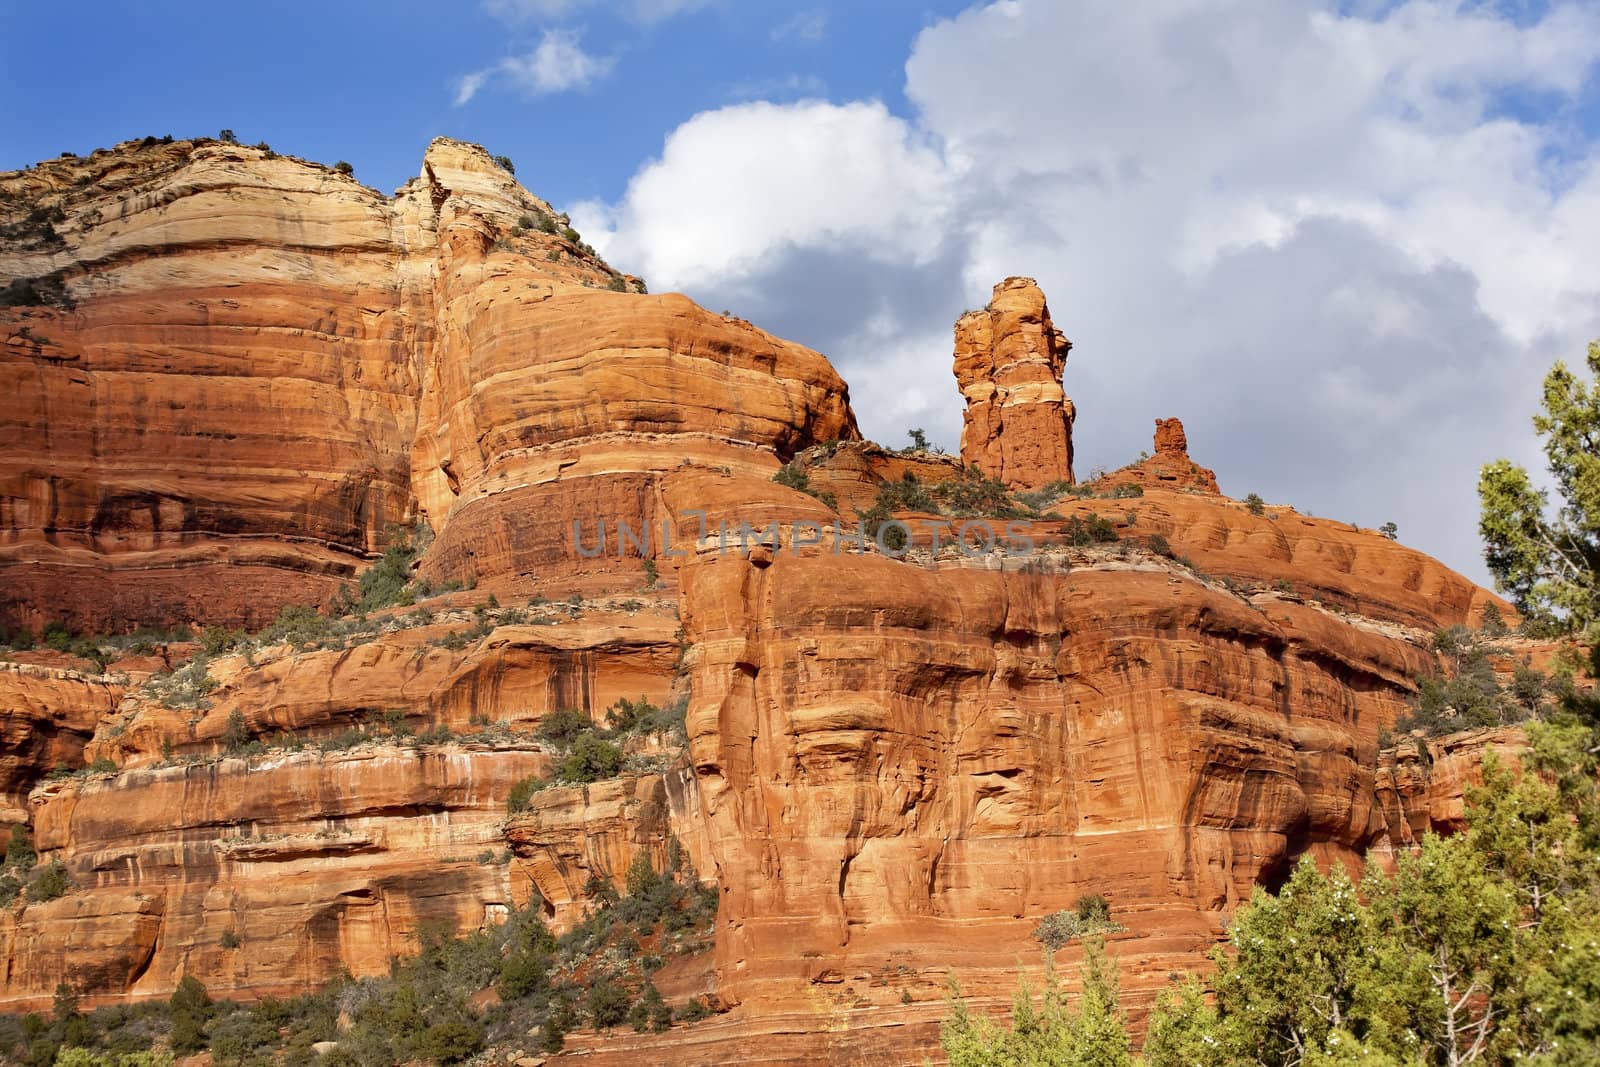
x=232, y=374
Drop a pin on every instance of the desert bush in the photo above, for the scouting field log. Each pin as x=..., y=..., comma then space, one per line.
x=607, y=1005
x=1090, y=916
x=49, y=882
x=563, y=726
x=1094, y=530
x=591, y=759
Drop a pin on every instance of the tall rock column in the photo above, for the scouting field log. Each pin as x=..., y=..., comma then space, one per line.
x=1008, y=362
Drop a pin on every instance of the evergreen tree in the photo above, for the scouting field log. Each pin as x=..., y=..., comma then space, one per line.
x=1550, y=563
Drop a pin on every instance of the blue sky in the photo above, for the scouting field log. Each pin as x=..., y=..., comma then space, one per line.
x=373, y=83
x=1341, y=239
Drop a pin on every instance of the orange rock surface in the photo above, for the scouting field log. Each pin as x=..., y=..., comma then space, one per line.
x=571, y=834
x=894, y=767
x=1017, y=426
x=1169, y=468
x=1422, y=785
x=315, y=862
x=47, y=717
x=258, y=365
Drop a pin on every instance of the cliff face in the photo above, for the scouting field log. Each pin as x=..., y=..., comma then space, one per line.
x=246, y=368
x=911, y=764
x=314, y=862
x=215, y=418
x=255, y=366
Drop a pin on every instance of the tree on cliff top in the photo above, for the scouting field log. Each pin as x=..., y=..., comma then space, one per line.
x=1549, y=562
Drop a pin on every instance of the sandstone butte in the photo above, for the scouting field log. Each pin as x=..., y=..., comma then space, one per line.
x=246, y=369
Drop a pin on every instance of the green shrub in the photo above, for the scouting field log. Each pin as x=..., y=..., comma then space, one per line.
x=794, y=476
x=505, y=164
x=973, y=494
x=522, y=792
x=650, y=1012
x=186, y=687
x=19, y=849
x=1472, y=696
x=230, y=939
x=236, y=735
x=56, y=636
x=564, y=726
x=1093, y=908
x=344, y=168
x=1090, y=916
x=1094, y=530
x=695, y=1010
x=606, y=1005
x=190, y=1009
x=592, y=759
x=524, y=974
x=451, y=1042
x=387, y=582
x=299, y=625
x=1255, y=505
x=219, y=639
x=49, y=882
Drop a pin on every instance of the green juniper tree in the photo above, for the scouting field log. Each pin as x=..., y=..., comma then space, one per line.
x=1549, y=562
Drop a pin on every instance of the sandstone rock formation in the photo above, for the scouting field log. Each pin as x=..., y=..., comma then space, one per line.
x=1169, y=468
x=47, y=716
x=1017, y=426
x=894, y=767
x=314, y=862
x=574, y=833
x=255, y=366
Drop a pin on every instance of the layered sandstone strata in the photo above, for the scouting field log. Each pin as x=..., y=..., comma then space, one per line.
x=313, y=863
x=911, y=766
x=248, y=368
x=1423, y=784
x=1009, y=356
x=47, y=716
x=894, y=767
x=215, y=417
x=511, y=676
x=572, y=834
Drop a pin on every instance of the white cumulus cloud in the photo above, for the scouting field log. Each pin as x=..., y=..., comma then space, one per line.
x=558, y=64
x=1343, y=245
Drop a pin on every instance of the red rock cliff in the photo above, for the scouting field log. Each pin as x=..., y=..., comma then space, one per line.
x=251, y=366
x=246, y=367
